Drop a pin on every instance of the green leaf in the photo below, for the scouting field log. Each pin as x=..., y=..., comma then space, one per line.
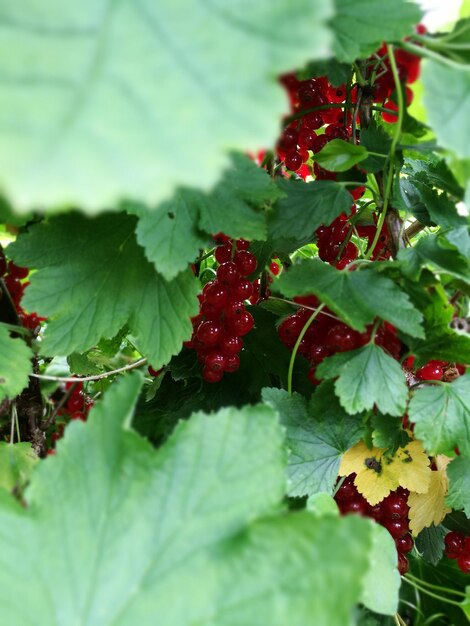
x=201, y=517
x=442, y=415
x=458, y=472
x=229, y=208
x=430, y=543
x=442, y=341
x=305, y=207
x=360, y=26
x=339, y=155
x=375, y=139
x=82, y=365
x=388, y=433
x=17, y=462
x=443, y=344
x=15, y=365
x=437, y=174
x=450, y=123
x=356, y=297
x=367, y=377
x=131, y=100
x=336, y=72
x=169, y=233
x=316, y=438
x=440, y=208
x=93, y=278
x=433, y=251
x=381, y=585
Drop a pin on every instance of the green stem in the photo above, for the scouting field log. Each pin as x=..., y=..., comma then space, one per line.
x=436, y=587
x=378, y=107
x=429, y=54
x=391, y=154
x=374, y=331
x=430, y=593
x=296, y=347
x=340, y=482
x=440, y=43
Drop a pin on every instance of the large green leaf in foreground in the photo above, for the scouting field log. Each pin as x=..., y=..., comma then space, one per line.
x=129, y=99
x=93, y=278
x=15, y=364
x=116, y=533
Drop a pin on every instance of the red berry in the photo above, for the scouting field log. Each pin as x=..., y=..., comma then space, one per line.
x=395, y=506
x=75, y=402
x=404, y=544
x=293, y=160
x=15, y=288
x=313, y=120
x=274, y=268
x=289, y=330
x=16, y=271
x=208, y=333
x=154, y=372
x=241, y=290
x=212, y=377
x=391, y=118
x=341, y=338
x=235, y=309
x=210, y=312
x=216, y=294
x=347, y=491
x=215, y=361
x=306, y=138
x=312, y=376
x=78, y=415
x=228, y=273
x=223, y=253
x=357, y=505
x=231, y=345
x=288, y=139
x=232, y=363
x=336, y=94
x=403, y=564
x=454, y=543
x=463, y=561
x=397, y=528
x=245, y=262
x=431, y=371
x=317, y=353
x=242, y=244
x=242, y=324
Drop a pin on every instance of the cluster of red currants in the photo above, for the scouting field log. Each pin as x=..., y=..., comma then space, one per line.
x=408, y=66
x=299, y=136
x=335, y=247
x=13, y=275
x=223, y=319
x=432, y=370
x=391, y=512
x=457, y=546
x=327, y=335
x=76, y=407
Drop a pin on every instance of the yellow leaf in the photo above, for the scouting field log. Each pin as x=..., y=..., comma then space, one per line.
x=429, y=508
x=377, y=474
